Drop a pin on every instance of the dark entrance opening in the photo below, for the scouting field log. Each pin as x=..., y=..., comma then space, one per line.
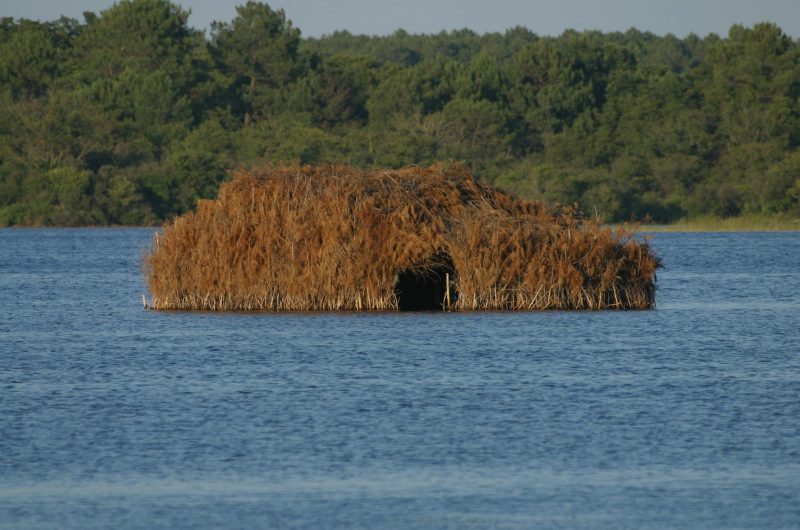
x=426, y=288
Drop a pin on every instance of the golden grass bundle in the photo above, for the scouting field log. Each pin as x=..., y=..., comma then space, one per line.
x=338, y=238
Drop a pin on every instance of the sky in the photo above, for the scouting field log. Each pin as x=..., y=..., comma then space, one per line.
x=545, y=17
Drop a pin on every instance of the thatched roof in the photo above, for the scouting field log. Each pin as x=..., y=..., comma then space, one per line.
x=339, y=238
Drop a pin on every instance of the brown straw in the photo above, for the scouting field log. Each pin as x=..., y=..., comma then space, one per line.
x=337, y=238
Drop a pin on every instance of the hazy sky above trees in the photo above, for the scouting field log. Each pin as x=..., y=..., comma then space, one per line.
x=545, y=17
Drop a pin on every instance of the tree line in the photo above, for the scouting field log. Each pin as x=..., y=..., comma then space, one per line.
x=131, y=115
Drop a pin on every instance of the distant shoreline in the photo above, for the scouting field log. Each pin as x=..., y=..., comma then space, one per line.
x=730, y=224
x=744, y=223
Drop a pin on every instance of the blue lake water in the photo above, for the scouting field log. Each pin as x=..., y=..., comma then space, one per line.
x=687, y=416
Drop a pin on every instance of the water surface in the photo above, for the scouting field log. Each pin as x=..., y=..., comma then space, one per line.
x=116, y=417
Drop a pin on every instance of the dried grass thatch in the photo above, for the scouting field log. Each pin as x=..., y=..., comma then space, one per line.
x=338, y=238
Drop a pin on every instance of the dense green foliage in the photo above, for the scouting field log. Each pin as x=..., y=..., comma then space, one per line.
x=131, y=116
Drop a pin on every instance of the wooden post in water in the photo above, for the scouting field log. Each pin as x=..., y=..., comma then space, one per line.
x=447, y=287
